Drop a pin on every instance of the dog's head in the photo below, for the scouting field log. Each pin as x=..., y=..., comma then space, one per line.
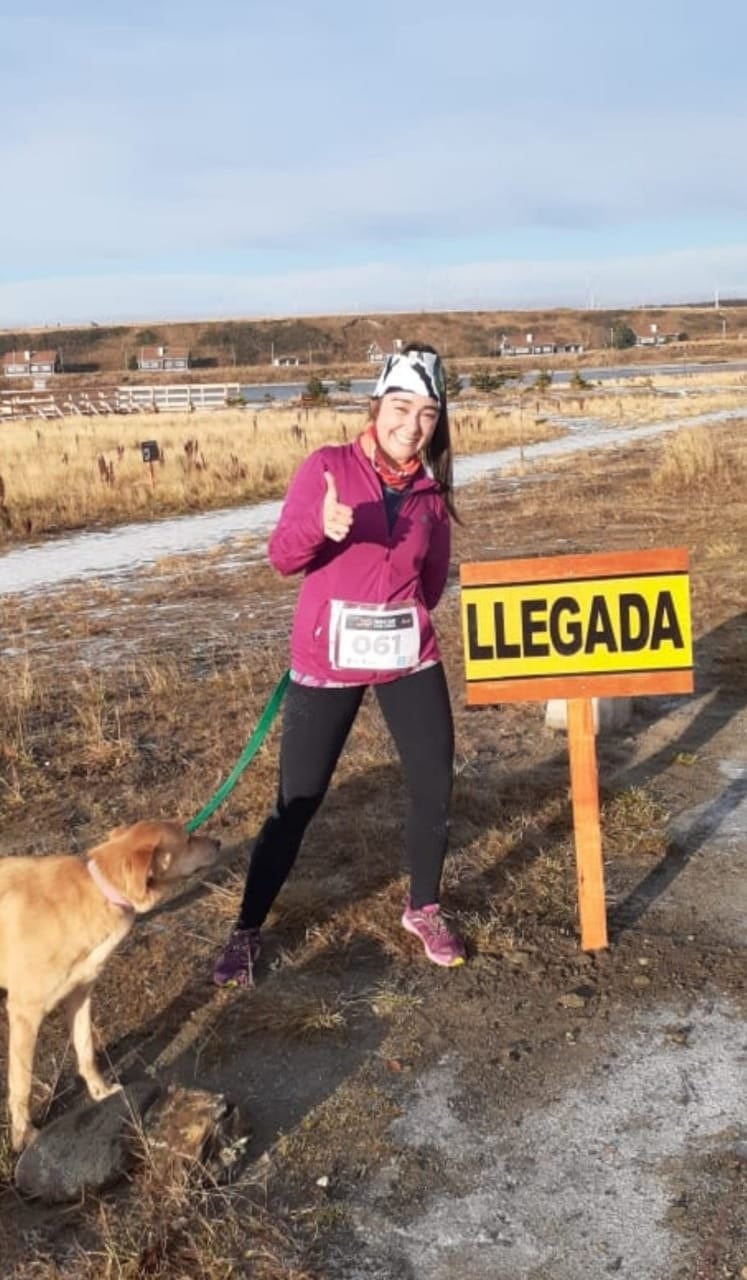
x=142, y=860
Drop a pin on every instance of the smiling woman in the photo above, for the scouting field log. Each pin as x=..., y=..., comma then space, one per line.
x=368, y=525
x=410, y=415
x=404, y=424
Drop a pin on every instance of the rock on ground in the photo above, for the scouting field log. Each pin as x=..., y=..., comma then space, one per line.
x=86, y=1149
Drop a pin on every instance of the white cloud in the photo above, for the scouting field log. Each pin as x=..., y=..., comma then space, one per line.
x=195, y=153
x=690, y=274
x=140, y=198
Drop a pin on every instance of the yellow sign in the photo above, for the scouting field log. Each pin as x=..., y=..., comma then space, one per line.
x=578, y=618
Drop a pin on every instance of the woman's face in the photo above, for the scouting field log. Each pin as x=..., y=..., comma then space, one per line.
x=405, y=423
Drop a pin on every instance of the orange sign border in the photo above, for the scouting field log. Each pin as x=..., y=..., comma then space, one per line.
x=565, y=568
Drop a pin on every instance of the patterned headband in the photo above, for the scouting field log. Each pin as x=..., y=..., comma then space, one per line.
x=420, y=372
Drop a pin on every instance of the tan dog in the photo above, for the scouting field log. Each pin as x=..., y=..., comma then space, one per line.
x=60, y=919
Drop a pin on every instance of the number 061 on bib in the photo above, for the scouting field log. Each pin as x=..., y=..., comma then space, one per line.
x=370, y=637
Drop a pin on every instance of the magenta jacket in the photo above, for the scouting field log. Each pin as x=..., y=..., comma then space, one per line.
x=371, y=566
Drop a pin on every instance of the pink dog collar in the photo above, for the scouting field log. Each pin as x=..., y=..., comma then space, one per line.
x=110, y=893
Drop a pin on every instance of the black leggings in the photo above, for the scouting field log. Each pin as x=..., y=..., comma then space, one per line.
x=316, y=723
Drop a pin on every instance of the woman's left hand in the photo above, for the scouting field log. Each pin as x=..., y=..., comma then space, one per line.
x=336, y=516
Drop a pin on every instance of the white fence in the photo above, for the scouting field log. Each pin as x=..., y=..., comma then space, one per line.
x=29, y=406
x=180, y=398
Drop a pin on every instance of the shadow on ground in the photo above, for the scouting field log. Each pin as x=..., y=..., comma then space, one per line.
x=720, y=664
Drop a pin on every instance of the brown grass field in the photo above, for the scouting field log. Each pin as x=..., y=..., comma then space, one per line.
x=72, y=472
x=68, y=473
x=121, y=700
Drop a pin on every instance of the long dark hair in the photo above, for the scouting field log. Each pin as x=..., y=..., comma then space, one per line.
x=438, y=452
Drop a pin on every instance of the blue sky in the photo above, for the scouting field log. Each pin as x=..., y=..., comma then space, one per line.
x=168, y=160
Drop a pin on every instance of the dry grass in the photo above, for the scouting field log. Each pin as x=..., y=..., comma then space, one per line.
x=171, y=1230
x=7, y=1159
x=387, y=1001
x=634, y=824
x=97, y=727
x=69, y=473
x=638, y=401
x=692, y=463
x=22, y=702
x=73, y=472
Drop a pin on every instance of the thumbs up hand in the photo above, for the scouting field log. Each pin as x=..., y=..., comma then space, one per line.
x=336, y=516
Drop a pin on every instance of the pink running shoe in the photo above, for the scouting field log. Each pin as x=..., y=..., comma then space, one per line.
x=441, y=945
x=235, y=964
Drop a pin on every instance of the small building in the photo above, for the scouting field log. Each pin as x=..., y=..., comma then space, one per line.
x=650, y=337
x=286, y=362
x=162, y=359
x=31, y=364
x=510, y=346
x=536, y=344
x=530, y=344
x=376, y=354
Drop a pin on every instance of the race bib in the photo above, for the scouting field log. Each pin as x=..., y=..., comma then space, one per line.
x=373, y=637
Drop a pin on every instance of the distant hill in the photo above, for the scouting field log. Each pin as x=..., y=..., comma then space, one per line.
x=340, y=341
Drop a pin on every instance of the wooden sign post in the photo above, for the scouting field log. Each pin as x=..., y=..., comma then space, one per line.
x=607, y=625
x=587, y=830
x=150, y=453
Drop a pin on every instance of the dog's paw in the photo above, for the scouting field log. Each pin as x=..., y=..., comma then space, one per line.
x=21, y=1136
x=99, y=1089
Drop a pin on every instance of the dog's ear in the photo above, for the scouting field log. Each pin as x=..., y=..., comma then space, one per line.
x=142, y=865
x=137, y=859
x=160, y=863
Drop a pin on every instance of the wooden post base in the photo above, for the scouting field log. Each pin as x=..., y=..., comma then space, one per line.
x=585, y=797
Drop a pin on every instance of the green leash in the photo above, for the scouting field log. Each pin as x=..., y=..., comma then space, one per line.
x=250, y=750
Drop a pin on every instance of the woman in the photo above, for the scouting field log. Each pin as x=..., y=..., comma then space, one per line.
x=368, y=527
